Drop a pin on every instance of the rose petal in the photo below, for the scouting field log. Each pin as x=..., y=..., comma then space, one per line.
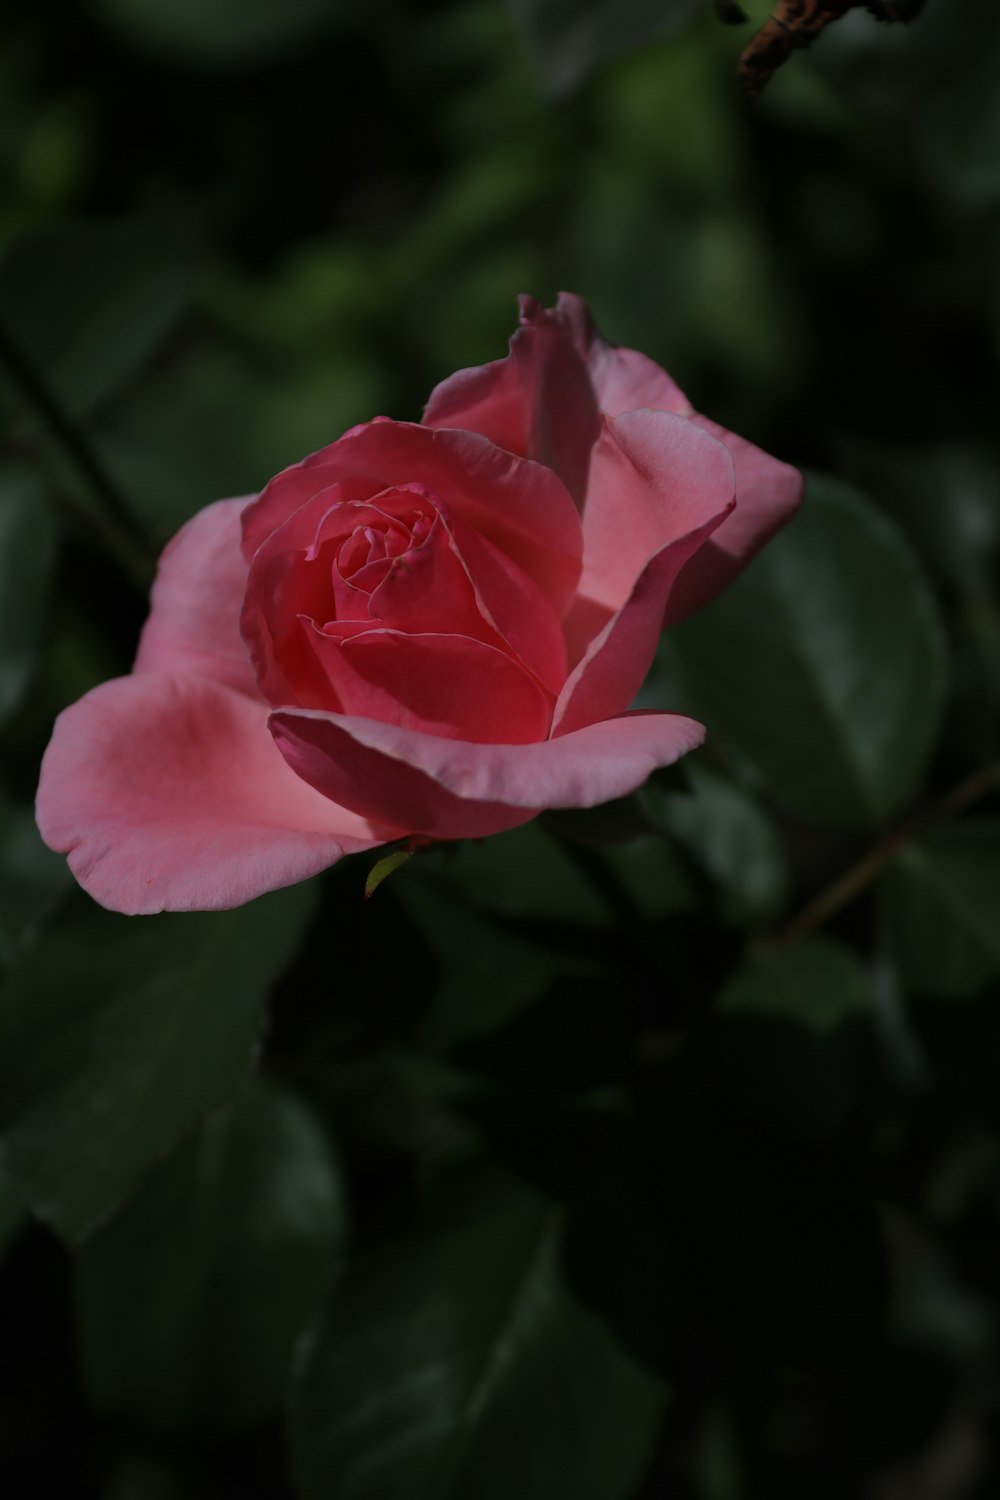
x=768, y=493
x=194, y=619
x=608, y=677
x=521, y=506
x=655, y=478
x=282, y=590
x=516, y=608
x=622, y=379
x=537, y=402
x=283, y=502
x=168, y=794
x=441, y=684
x=429, y=590
x=453, y=789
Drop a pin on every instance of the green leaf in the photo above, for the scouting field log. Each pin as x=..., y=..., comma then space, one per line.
x=32, y=880
x=190, y=1301
x=27, y=554
x=88, y=303
x=794, y=1037
x=940, y=901
x=816, y=984
x=383, y=868
x=456, y=1363
x=221, y=30
x=487, y=974
x=822, y=668
x=735, y=843
x=959, y=540
x=528, y=874
x=119, y=1034
x=570, y=38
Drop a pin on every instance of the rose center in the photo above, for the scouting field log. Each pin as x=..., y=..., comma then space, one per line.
x=365, y=558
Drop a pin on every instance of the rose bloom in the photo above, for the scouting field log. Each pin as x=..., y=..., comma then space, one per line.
x=428, y=629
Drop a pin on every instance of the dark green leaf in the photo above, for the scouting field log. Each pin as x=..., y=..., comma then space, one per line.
x=529, y=873
x=570, y=38
x=947, y=500
x=27, y=551
x=816, y=984
x=487, y=974
x=734, y=841
x=190, y=1301
x=794, y=1037
x=87, y=304
x=822, y=668
x=941, y=907
x=120, y=1034
x=32, y=880
x=456, y=1363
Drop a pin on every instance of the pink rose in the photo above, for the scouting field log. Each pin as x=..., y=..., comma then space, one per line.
x=429, y=629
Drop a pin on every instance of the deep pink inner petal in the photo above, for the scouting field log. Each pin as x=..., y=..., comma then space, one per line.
x=449, y=685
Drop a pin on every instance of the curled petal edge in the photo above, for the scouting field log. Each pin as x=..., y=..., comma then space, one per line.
x=455, y=789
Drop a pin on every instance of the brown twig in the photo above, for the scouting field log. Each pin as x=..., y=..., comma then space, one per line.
x=797, y=23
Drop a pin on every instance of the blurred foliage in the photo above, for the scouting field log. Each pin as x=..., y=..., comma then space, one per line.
x=653, y=1152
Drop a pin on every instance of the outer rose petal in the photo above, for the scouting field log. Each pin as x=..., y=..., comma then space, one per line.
x=194, y=619
x=521, y=506
x=614, y=667
x=537, y=402
x=514, y=400
x=654, y=478
x=768, y=493
x=167, y=794
x=452, y=789
x=623, y=379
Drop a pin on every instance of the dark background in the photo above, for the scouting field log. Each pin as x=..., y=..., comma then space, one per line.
x=578, y=1162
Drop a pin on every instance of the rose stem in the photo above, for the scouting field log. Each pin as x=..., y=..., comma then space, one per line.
x=860, y=875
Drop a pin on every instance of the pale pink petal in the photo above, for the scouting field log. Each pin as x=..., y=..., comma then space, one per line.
x=623, y=379
x=611, y=672
x=768, y=493
x=168, y=794
x=194, y=619
x=452, y=789
x=655, y=478
x=537, y=402
x=439, y=684
x=521, y=506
